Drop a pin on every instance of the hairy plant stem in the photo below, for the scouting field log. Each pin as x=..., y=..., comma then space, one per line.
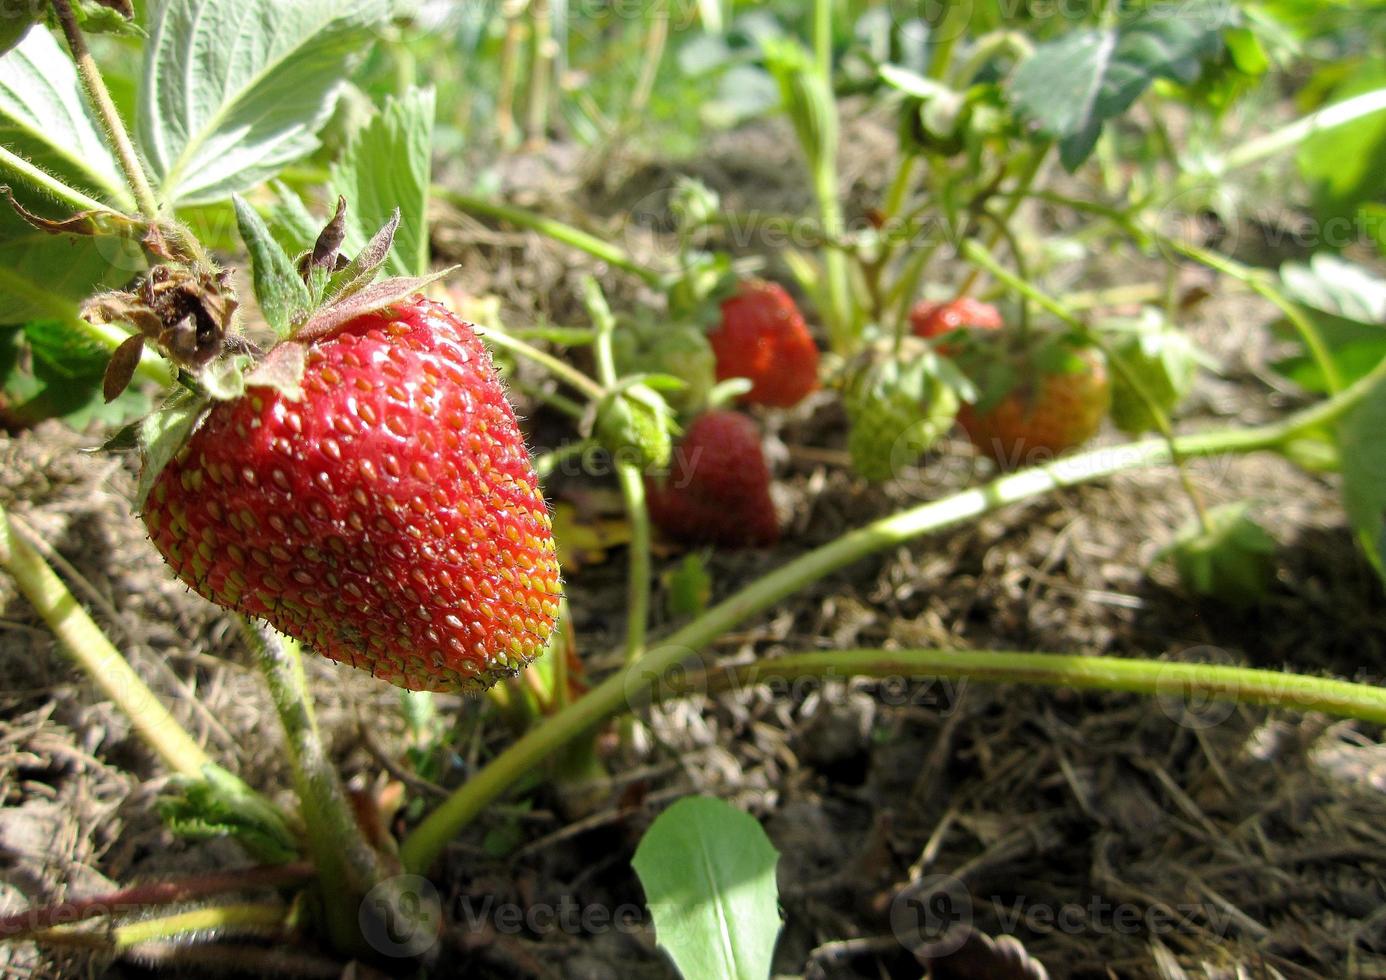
x=560, y=369
x=626, y=687
x=601, y=250
x=632, y=484
x=540, y=72
x=100, y=96
x=640, y=573
x=1254, y=279
x=842, y=319
x=1028, y=175
x=348, y=867
x=99, y=660
x=248, y=918
x=42, y=180
x=1184, y=681
x=142, y=897
x=1259, y=284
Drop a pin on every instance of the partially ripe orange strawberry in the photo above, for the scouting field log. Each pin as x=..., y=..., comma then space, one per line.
x=717, y=490
x=1050, y=409
x=763, y=337
x=389, y=519
x=929, y=319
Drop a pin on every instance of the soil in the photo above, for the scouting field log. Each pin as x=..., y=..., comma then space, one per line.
x=1112, y=836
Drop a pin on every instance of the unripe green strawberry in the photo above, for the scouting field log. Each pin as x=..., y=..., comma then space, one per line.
x=898, y=408
x=1233, y=560
x=390, y=519
x=1162, y=361
x=633, y=425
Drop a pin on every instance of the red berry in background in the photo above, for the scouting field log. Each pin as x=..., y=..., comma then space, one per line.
x=717, y=490
x=929, y=319
x=763, y=337
x=1046, y=413
x=390, y=519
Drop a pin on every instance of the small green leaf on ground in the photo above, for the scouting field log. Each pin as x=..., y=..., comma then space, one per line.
x=708, y=870
x=44, y=120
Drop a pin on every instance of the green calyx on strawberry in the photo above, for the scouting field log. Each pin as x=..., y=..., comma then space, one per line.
x=364, y=487
x=899, y=402
x=1231, y=560
x=634, y=425
x=1155, y=366
x=1040, y=396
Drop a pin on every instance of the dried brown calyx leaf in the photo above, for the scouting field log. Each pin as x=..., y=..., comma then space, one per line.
x=186, y=313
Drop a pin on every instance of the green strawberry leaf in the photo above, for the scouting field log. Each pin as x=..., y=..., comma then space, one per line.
x=1347, y=304
x=385, y=174
x=1233, y=560
x=44, y=119
x=290, y=221
x=709, y=876
x=1069, y=87
x=14, y=24
x=235, y=89
x=278, y=286
x=1345, y=166
x=46, y=372
x=1363, y=458
x=44, y=275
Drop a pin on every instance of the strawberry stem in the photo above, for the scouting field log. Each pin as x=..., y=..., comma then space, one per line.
x=558, y=368
x=640, y=571
x=617, y=693
x=1187, y=681
x=100, y=96
x=1259, y=283
x=41, y=180
x=85, y=642
x=632, y=484
x=348, y=867
x=142, y=897
x=259, y=919
x=1028, y=175
x=601, y=250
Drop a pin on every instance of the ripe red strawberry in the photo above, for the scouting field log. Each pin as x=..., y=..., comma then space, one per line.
x=717, y=490
x=390, y=519
x=930, y=320
x=762, y=337
x=1051, y=409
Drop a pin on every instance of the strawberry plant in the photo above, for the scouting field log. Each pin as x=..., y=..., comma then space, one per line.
x=222, y=261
